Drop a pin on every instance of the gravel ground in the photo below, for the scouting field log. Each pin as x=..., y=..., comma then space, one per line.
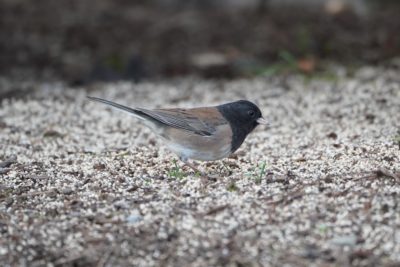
x=84, y=185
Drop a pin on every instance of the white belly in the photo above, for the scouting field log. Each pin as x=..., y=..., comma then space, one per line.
x=187, y=152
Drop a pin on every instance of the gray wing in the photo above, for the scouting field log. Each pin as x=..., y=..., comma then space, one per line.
x=180, y=118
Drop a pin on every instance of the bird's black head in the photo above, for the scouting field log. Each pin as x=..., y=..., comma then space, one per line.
x=243, y=116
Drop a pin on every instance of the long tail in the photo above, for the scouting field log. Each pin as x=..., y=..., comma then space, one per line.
x=138, y=113
x=115, y=105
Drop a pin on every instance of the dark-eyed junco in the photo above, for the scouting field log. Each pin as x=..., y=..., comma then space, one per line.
x=206, y=133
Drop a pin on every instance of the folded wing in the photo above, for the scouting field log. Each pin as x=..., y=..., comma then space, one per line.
x=180, y=118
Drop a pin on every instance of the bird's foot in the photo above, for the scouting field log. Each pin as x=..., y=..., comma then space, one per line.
x=205, y=178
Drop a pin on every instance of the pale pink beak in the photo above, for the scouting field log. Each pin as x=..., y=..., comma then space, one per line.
x=262, y=121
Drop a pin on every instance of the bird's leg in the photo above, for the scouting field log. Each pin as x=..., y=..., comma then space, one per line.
x=196, y=171
x=187, y=163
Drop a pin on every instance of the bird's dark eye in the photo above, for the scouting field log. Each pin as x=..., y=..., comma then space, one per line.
x=251, y=113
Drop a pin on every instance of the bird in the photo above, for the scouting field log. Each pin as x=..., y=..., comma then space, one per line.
x=201, y=133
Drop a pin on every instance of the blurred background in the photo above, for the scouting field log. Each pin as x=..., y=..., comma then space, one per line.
x=81, y=42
